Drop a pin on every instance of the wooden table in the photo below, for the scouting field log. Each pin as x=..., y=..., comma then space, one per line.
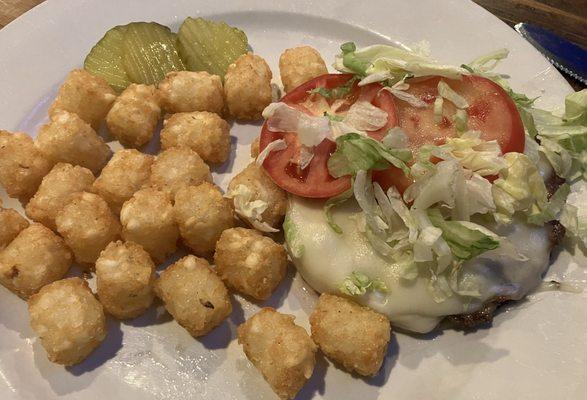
x=568, y=18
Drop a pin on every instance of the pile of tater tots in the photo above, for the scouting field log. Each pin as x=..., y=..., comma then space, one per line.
x=121, y=215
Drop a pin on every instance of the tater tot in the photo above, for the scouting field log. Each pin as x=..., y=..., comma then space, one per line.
x=202, y=215
x=255, y=148
x=36, y=257
x=22, y=166
x=68, y=138
x=251, y=263
x=177, y=167
x=300, y=64
x=86, y=95
x=280, y=349
x=350, y=334
x=68, y=319
x=134, y=115
x=126, y=172
x=125, y=275
x=257, y=185
x=11, y=224
x=204, y=132
x=147, y=219
x=194, y=295
x=87, y=224
x=185, y=91
x=247, y=87
x=56, y=190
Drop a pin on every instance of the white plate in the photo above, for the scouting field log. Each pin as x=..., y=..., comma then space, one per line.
x=535, y=350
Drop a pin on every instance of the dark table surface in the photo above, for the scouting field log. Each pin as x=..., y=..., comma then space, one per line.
x=568, y=18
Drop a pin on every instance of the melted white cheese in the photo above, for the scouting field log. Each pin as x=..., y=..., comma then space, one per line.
x=328, y=258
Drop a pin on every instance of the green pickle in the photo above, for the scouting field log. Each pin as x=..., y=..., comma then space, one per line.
x=105, y=59
x=150, y=52
x=210, y=45
x=143, y=52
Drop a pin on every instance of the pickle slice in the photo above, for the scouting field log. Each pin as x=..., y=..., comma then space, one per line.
x=210, y=45
x=150, y=52
x=105, y=59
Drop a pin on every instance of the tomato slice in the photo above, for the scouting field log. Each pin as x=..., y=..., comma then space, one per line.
x=314, y=181
x=491, y=111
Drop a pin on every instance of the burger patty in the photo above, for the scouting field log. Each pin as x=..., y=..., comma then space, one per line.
x=484, y=316
x=481, y=317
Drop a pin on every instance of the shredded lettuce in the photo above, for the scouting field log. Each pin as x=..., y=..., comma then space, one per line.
x=389, y=63
x=340, y=128
x=421, y=47
x=446, y=92
x=292, y=238
x=408, y=268
x=554, y=206
x=464, y=241
x=403, y=212
x=348, y=61
x=464, y=287
x=438, y=103
x=435, y=187
x=521, y=100
x=576, y=108
x=430, y=246
x=275, y=145
x=475, y=197
x=364, y=116
x=524, y=106
x=488, y=62
x=348, y=47
x=564, y=145
x=572, y=138
x=270, y=109
x=558, y=157
x=389, y=216
x=422, y=165
x=379, y=244
x=358, y=284
x=333, y=202
x=304, y=157
x=249, y=209
x=506, y=247
x=448, y=184
x=311, y=130
x=519, y=188
x=439, y=287
x=461, y=118
x=485, y=64
x=339, y=92
x=399, y=91
x=532, y=149
x=473, y=153
x=365, y=196
x=427, y=238
x=396, y=138
x=333, y=117
x=355, y=152
x=574, y=213
x=386, y=221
